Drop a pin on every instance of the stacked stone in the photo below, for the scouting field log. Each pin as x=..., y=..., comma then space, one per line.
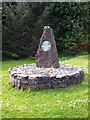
x=29, y=76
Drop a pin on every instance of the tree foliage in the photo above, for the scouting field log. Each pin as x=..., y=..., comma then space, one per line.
x=22, y=25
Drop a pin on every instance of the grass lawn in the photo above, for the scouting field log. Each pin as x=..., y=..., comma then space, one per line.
x=70, y=102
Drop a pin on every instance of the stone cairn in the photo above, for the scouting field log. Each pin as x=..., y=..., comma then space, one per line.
x=47, y=72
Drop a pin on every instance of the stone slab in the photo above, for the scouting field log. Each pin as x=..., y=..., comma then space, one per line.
x=47, y=55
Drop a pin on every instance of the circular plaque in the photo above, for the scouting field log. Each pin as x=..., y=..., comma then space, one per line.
x=46, y=45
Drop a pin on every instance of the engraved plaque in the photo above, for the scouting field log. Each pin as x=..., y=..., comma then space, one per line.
x=46, y=45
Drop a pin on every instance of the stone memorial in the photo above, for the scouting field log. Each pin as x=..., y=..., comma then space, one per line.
x=47, y=53
x=47, y=72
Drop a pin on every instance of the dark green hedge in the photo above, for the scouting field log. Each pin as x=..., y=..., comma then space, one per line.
x=22, y=25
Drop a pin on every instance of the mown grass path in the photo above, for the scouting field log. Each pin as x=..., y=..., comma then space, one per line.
x=70, y=102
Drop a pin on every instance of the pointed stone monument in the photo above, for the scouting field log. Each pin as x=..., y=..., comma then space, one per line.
x=41, y=75
x=47, y=55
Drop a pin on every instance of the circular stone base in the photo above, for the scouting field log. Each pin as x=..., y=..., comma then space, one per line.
x=29, y=76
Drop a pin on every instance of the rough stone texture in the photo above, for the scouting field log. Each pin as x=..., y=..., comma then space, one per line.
x=30, y=76
x=48, y=58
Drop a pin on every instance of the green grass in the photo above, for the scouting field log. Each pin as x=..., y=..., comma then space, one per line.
x=70, y=102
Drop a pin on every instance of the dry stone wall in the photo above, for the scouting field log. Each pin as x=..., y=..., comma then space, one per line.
x=30, y=76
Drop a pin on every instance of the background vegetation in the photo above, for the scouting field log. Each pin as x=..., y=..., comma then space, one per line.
x=22, y=25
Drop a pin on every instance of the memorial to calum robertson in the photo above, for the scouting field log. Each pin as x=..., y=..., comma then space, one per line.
x=47, y=72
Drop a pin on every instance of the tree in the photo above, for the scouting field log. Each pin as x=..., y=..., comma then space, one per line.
x=23, y=24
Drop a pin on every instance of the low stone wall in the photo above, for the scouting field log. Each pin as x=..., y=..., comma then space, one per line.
x=29, y=76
